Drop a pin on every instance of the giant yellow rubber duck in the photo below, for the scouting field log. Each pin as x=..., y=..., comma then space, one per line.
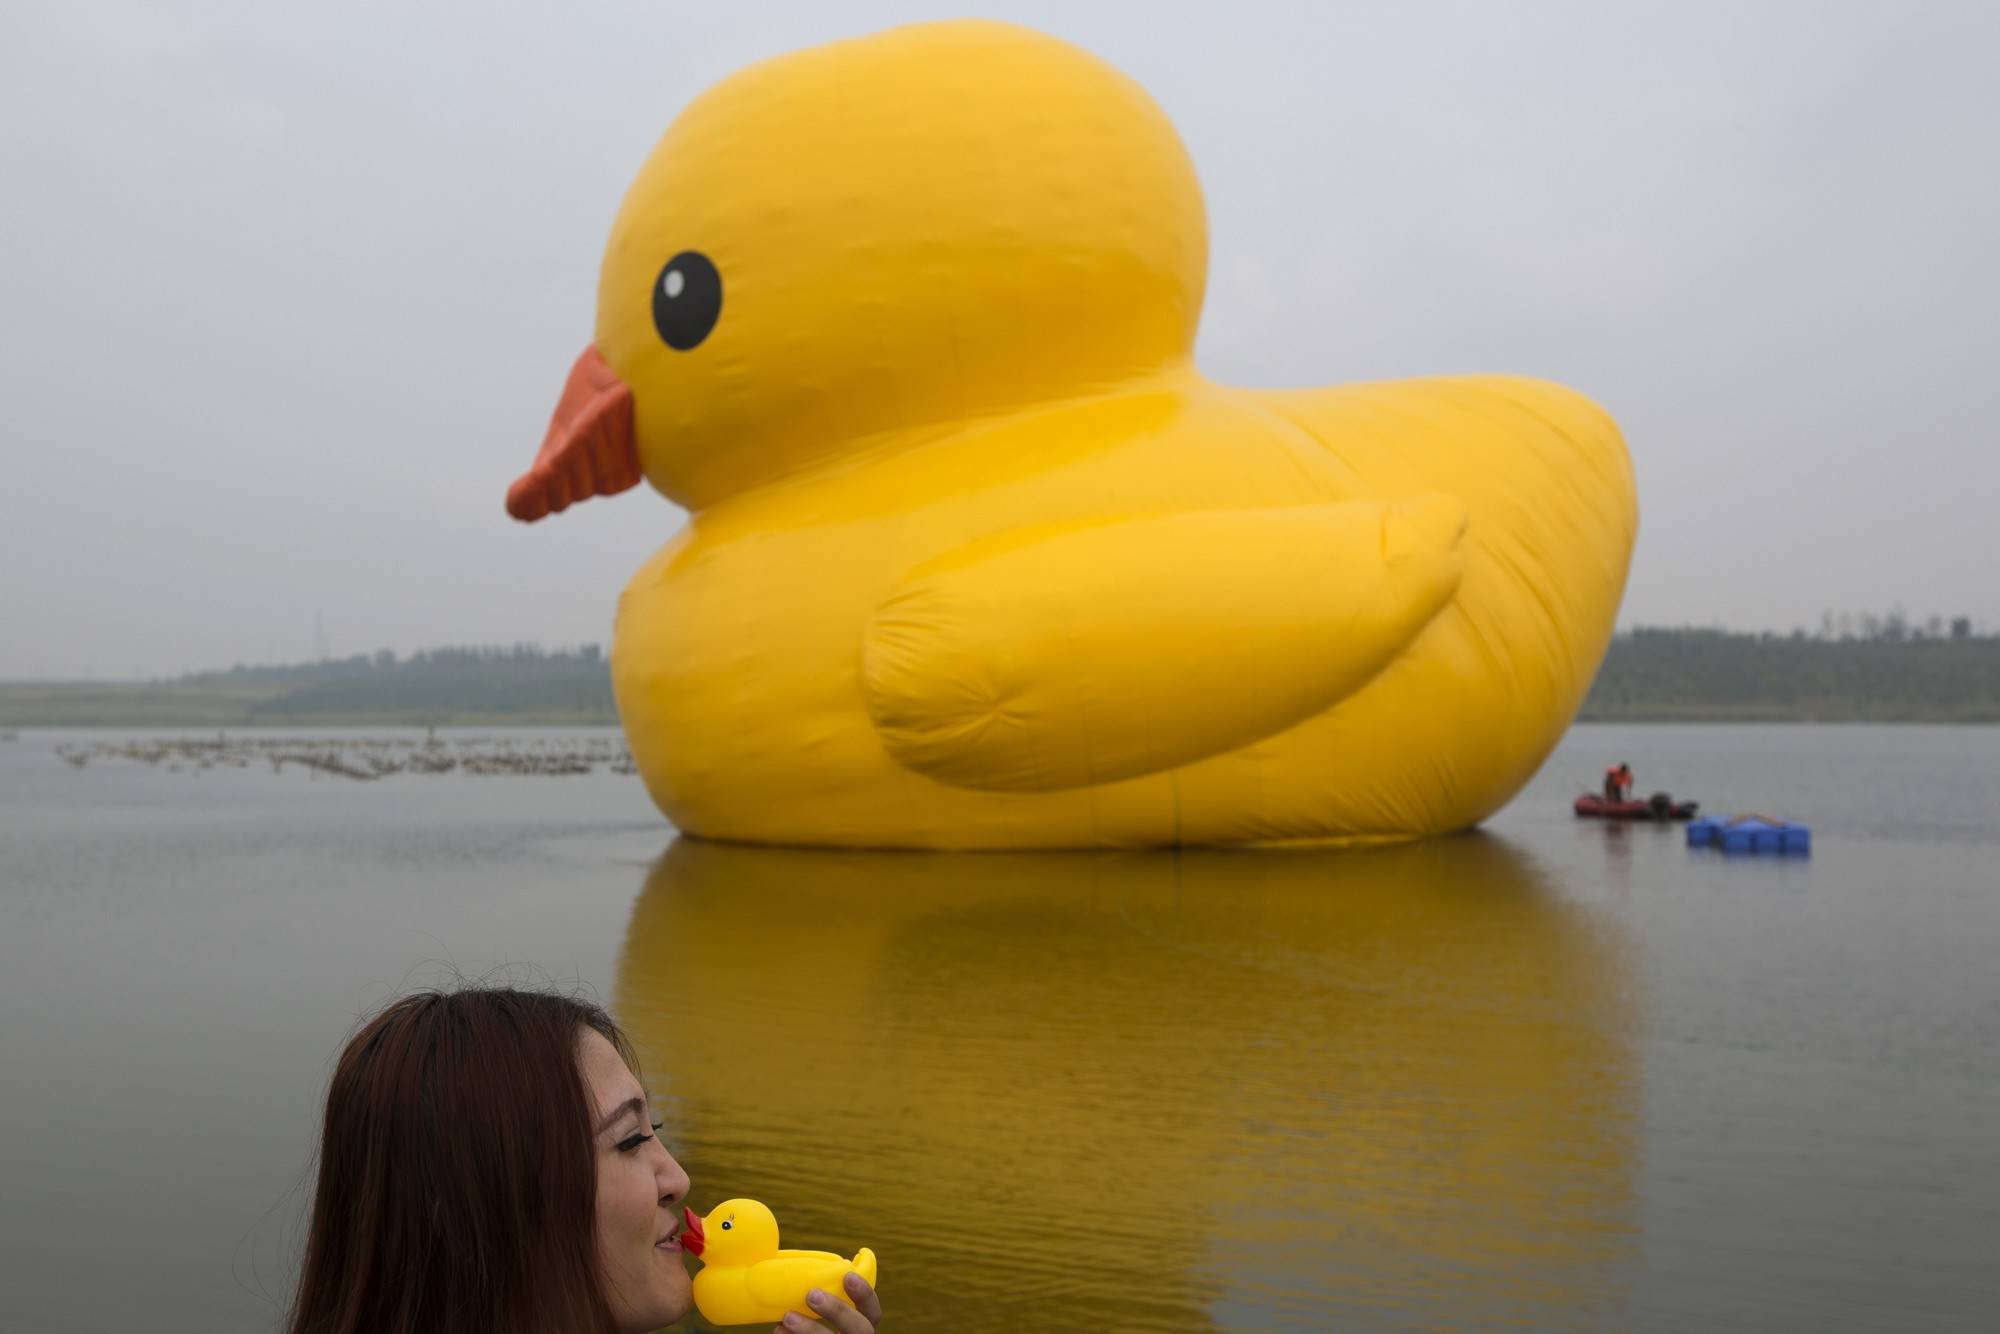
x=978, y=559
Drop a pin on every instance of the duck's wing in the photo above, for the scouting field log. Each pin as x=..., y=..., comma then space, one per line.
x=1051, y=659
x=783, y=1282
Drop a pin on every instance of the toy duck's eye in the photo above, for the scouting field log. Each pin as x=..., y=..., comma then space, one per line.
x=687, y=300
x=726, y=1225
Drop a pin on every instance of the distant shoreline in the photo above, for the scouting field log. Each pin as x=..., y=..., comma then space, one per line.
x=359, y=723
x=1648, y=676
x=88, y=705
x=1791, y=720
x=84, y=706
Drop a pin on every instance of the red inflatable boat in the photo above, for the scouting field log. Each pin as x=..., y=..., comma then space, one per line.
x=1659, y=806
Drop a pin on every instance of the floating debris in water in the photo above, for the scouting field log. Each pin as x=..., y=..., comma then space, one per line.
x=367, y=758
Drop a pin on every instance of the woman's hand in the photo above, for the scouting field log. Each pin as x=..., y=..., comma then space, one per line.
x=861, y=1318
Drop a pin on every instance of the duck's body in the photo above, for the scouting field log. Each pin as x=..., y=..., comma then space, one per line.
x=761, y=1293
x=745, y=660
x=978, y=559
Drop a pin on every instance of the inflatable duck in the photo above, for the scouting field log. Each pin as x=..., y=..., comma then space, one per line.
x=978, y=559
x=746, y=1280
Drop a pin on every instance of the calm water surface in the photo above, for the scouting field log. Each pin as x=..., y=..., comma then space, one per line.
x=1553, y=1075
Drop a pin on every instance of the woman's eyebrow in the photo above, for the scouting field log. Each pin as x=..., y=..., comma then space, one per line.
x=632, y=1104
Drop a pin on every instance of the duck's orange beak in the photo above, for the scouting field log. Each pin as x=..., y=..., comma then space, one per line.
x=692, y=1237
x=589, y=450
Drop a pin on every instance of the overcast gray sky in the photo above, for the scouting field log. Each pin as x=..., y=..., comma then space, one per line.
x=289, y=293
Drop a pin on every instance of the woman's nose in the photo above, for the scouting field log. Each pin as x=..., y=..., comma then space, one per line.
x=672, y=1180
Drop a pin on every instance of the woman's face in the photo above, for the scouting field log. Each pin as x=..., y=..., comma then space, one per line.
x=640, y=1191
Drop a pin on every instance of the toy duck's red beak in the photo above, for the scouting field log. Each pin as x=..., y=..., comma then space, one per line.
x=692, y=1238
x=590, y=448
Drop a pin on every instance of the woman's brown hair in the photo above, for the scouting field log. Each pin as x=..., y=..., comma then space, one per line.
x=457, y=1185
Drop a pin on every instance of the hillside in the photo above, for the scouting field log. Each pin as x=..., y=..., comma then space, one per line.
x=1713, y=675
x=1649, y=675
x=440, y=687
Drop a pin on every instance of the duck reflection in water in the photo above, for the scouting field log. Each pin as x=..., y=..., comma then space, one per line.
x=1155, y=1090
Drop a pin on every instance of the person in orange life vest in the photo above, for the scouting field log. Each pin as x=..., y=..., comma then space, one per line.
x=1617, y=782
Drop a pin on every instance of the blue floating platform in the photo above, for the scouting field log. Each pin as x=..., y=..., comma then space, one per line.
x=1751, y=834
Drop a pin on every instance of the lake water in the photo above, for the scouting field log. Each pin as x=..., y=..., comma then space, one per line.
x=1554, y=1075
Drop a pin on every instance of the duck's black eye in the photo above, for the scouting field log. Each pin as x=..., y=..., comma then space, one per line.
x=687, y=300
x=726, y=1226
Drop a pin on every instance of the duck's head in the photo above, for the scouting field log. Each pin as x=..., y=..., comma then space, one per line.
x=735, y=1232
x=844, y=248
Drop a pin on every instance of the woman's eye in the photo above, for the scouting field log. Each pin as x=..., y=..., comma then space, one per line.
x=631, y=1142
x=687, y=300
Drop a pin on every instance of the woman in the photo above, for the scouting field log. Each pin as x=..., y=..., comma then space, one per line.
x=488, y=1167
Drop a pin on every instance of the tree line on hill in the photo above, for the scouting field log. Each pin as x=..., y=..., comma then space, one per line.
x=1893, y=626
x=1896, y=673
x=524, y=657
x=523, y=680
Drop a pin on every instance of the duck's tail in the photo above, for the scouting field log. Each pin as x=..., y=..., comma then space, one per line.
x=864, y=1264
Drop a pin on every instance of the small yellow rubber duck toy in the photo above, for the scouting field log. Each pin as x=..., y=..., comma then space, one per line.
x=746, y=1280
x=977, y=557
